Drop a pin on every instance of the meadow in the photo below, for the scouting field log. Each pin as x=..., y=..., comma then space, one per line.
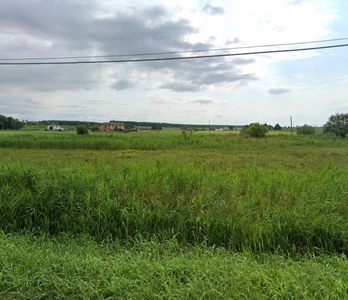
x=154, y=215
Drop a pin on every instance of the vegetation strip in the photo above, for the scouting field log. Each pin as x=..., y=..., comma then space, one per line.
x=264, y=202
x=154, y=214
x=78, y=268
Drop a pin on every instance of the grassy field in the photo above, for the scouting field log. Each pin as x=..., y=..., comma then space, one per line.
x=154, y=215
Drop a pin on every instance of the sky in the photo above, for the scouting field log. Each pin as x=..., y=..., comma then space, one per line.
x=308, y=86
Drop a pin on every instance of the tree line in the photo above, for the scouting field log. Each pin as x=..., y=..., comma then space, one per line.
x=337, y=125
x=9, y=123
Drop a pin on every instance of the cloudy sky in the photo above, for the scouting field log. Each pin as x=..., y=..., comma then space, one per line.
x=307, y=85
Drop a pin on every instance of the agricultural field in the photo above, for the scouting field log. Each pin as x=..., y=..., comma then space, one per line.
x=155, y=215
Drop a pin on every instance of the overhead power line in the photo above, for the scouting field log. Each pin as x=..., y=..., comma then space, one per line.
x=176, y=52
x=170, y=58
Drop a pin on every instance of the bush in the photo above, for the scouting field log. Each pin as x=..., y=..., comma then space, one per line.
x=95, y=128
x=305, y=130
x=81, y=129
x=256, y=130
x=337, y=125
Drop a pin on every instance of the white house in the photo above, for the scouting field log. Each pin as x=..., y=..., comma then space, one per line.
x=54, y=127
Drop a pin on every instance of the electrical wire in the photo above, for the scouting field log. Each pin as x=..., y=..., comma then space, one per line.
x=173, y=58
x=170, y=58
x=176, y=52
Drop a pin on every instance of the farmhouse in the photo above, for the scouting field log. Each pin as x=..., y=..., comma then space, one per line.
x=111, y=127
x=54, y=127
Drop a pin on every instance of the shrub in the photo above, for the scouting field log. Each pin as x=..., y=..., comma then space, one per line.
x=305, y=130
x=256, y=130
x=337, y=125
x=81, y=129
x=95, y=128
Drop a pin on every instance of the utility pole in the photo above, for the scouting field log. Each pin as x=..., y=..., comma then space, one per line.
x=291, y=124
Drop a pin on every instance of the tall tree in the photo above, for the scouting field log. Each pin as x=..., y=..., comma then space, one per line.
x=277, y=127
x=10, y=123
x=337, y=125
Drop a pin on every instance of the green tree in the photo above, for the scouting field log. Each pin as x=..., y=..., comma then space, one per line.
x=156, y=127
x=256, y=130
x=277, y=127
x=337, y=125
x=3, y=122
x=18, y=124
x=10, y=123
x=81, y=129
x=305, y=130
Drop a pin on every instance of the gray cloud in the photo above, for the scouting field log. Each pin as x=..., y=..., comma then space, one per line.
x=243, y=61
x=40, y=28
x=236, y=40
x=203, y=102
x=47, y=78
x=123, y=84
x=208, y=79
x=180, y=87
x=70, y=28
x=213, y=10
x=195, y=75
x=278, y=91
x=12, y=105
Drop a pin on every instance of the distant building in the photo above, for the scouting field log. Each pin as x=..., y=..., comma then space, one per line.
x=54, y=127
x=111, y=127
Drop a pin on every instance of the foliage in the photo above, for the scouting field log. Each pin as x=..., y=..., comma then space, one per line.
x=256, y=130
x=186, y=134
x=277, y=127
x=305, y=130
x=243, y=130
x=81, y=129
x=76, y=267
x=337, y=125
x=95, y=128
x=65, y=122
x=10, y=123
x=242, y=197
x=97, y=224
x=156, y=127
x=149, y=140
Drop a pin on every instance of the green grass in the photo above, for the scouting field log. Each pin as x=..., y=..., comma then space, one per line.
x=269, y=215
x=267, y=197
x=155, y=140
x=78, y=268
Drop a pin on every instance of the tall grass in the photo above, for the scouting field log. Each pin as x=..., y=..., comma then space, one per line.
x=69, y=267
x=151, y=215
x=157, y=141
x=249, y=207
